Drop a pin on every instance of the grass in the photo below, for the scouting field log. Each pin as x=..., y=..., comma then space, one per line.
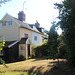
x=36, y=67
x=13, y=73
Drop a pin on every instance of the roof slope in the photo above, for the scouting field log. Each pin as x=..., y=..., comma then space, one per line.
x=7, y=43
x=23, y=41
x=23, y=24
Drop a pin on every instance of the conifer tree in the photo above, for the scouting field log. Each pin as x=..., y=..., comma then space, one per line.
x=67, y=24
x=52, y=42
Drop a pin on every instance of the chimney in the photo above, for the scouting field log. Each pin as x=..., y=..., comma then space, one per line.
x=37, y=25
x=21, y=16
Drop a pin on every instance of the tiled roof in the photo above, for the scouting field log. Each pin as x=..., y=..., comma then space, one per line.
x=23, y=40
x=25, y=25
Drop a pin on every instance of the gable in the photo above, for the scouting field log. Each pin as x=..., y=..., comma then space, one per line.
x=9, y=32
x=7, y=18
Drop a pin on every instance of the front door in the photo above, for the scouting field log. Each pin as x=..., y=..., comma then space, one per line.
x=28, y=50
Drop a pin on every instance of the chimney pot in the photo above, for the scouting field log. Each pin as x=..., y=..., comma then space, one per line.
x=21, y=16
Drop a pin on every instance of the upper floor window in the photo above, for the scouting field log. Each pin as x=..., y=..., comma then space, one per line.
x=4, y=23
x=35, y=38
x=9, y=23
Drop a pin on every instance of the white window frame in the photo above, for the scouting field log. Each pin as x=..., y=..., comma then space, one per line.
x=4, y=23
x=9, y=23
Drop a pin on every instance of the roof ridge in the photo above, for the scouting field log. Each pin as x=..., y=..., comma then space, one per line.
x=23, y=24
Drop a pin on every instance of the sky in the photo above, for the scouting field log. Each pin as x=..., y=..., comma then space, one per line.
x=41, y=10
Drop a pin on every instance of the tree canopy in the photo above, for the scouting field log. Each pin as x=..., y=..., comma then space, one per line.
x=4, y=1
x=52, y=41
x=67, y=24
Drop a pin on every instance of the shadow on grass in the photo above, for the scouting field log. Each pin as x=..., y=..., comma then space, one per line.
x=38, y=59
x=62, y=69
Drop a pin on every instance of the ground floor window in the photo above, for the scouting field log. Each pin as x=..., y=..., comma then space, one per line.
x=22, y=48
x=35, y=38
x=1, y=52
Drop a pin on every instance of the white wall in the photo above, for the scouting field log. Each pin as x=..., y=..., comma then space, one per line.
x=23, y=31
x=9, y=32
x=39, y=38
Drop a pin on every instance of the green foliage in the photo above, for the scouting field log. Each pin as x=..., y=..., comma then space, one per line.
x=2, y=44
x=4, y=1
x=33, y=46
x=21, y=58
x=41, y=50
x=62, y=47
x=67, y=24
x=2, y=62
x=52, y=42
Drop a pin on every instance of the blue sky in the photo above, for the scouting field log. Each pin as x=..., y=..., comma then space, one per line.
x=41, y=10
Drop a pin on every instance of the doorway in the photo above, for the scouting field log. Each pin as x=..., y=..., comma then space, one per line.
x=28, y=49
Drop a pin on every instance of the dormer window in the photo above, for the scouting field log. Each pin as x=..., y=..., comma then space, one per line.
x=33, y=27
x=3, y=23
x=9, y=23
x=42, y=30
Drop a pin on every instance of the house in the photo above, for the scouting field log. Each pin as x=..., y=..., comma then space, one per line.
x=19, y=36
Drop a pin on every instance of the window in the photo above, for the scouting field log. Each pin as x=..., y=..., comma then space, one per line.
x=35, y=38
x=9, y=23
x=26, y=35
x=22, y=48
x=34, y=27
x=43, y=40
x=1, y=52
x=3, y=23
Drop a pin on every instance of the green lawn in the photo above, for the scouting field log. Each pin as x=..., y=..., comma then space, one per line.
x=35, y=67
x=14, y=73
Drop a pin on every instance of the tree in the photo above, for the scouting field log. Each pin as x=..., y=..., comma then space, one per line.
x=2, y=44
x=52, y=41
x=62, y=47
x=1, y=48
x=67, y=24
x=4, y=1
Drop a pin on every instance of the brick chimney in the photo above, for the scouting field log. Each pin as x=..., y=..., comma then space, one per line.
x=37, y=25
x=21, y=16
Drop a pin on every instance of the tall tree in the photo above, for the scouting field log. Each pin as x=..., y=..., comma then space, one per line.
x=67, y=24
x=52, y=41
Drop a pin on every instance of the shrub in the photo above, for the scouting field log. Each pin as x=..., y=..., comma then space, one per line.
x=21, y=58
x=2, y=62
x=40, y=50
x=33, y=46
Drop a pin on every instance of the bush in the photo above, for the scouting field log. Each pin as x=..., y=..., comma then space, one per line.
x=40, y=50
x=33, y=46
x=2, y=62
x=21, y=58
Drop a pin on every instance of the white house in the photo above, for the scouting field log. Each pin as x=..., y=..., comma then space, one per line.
x=17, y=31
